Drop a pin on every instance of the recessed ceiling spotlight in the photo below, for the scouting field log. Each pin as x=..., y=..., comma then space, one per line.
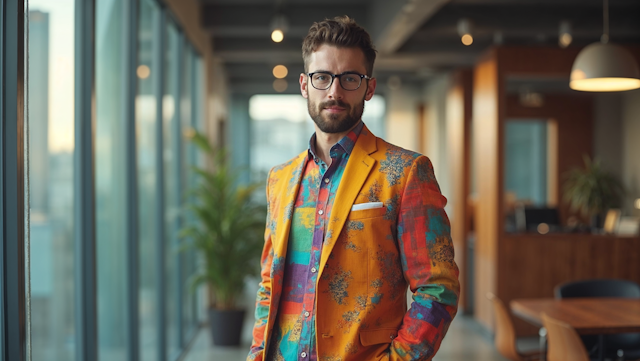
x=279, y=26
x=277, y=36
x=280, y=71
x=465, y=30
x=564, y=34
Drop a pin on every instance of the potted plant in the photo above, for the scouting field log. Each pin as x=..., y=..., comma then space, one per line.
x=592, y=190
x=227, y=233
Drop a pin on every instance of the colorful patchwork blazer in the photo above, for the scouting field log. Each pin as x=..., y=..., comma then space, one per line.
x=369, y=257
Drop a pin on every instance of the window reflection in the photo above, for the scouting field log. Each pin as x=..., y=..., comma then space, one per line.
x=110, y=175
x=171, y=155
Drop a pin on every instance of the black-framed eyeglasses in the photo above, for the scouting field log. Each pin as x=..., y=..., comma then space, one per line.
x=322, y=80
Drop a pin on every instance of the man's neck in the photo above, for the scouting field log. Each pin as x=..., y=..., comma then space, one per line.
x=324, y=142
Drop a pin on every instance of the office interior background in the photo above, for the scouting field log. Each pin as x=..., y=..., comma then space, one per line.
x=101, y=97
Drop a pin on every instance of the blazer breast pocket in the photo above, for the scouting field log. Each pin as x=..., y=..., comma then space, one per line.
x=367, y=213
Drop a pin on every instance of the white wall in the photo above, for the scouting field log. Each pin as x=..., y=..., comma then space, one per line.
x=402, y=117
x=435, y=99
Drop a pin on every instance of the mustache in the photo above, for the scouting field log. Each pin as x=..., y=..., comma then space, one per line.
x=334, y=103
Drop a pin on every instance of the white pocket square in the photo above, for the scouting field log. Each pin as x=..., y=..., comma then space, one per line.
x=363, y=206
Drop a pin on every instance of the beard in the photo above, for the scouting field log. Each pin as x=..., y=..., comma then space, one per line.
x=335, y=123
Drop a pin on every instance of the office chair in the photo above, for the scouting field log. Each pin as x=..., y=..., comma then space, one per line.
x=624, y=346
x=564, y=342
x=505, y=338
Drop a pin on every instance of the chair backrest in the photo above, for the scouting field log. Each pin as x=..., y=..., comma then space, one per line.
x=598, y=288
x=603, y=288
x=563, y=341
x=505, y=338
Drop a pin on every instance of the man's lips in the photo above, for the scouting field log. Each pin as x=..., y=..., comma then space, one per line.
x=334, y=109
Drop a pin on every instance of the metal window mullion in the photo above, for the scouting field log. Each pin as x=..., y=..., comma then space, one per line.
x=159, y=56
x=158, y=63
x=2, y=282
x=128, y=125
x=86, y=316
x=195, y=105
x=177, y=138
x=12, y=162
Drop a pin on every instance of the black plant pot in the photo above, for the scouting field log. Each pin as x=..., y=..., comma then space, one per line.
x=226, y=326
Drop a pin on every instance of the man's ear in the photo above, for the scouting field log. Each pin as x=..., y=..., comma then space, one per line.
x=371, y=88
x=304, y=85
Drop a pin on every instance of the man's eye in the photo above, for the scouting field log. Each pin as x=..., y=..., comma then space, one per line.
x=321, y=77
x=350, y=79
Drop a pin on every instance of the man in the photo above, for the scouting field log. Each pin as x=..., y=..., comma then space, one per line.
x=352, y=222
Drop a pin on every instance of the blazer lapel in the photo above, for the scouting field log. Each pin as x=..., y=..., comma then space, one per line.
x=355, y=174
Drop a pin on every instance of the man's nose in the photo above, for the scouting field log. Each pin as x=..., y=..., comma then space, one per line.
x=335, y=91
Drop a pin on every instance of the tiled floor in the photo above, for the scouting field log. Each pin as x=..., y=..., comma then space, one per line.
x=464, y=342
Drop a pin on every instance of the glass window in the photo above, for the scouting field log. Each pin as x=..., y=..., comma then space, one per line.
x=526, y=161
x=282, y=127
x=51, y=146
x=171, y=173
x=110, y=180
x=147, y=148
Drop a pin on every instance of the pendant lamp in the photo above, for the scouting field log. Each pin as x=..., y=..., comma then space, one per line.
x=604, y=67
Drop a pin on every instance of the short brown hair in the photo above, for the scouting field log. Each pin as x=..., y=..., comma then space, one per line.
x=342, y=32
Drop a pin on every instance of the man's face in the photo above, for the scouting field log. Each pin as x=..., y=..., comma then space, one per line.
x=336, y=110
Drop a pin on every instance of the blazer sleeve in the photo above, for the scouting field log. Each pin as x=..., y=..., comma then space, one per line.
x=263, y=299
x=424, y=240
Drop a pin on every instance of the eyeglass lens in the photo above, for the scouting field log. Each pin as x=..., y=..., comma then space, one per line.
x=323, y=81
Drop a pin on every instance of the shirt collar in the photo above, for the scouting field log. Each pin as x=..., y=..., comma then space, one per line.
x=345, y=144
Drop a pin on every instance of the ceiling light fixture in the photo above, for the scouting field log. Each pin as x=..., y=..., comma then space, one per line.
x=564, y=34
x=604, y=67
x=465, y=30
x=279, y=26
x=280, y=71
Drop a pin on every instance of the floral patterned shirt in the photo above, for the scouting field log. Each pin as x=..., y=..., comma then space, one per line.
x=294, y=333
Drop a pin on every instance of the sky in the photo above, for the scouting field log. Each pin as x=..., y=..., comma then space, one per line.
x=61, y=71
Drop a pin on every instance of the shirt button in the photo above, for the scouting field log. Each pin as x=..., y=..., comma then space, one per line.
x=306, y=314
x=303, y=354
x=321, y=212
x=326, y=180
x=313, y=270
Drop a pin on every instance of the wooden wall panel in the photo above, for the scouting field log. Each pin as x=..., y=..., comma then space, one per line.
x=537, y=263
x=458, y=111
x=503, y=265
x=486, y=152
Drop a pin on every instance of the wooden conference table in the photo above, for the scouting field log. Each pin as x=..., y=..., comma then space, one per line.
x=588, y=316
